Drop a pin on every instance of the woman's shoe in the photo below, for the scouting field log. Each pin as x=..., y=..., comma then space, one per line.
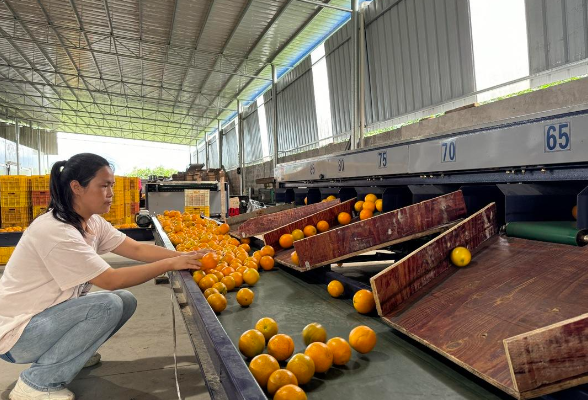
x=22, y=391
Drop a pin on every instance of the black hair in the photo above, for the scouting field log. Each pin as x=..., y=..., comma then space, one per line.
x=82, y=168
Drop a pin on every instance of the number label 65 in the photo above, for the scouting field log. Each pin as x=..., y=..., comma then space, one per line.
x=558, y=137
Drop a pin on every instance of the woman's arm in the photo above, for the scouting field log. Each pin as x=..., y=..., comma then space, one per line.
x=144, y=252
x=121, y=278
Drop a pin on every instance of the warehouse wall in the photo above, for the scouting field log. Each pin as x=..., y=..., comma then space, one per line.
x=557, y=32
x=28, y=149
x=230, y=147
x=252, y=134
x=213, y=152
x=297, y=123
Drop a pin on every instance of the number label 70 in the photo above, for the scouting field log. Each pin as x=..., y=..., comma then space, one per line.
x=558, y=137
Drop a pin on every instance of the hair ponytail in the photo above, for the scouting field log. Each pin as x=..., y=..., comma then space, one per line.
x=82, y=168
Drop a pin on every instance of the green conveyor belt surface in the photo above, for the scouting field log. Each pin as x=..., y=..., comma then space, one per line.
x=395, y=369
x=563, y=232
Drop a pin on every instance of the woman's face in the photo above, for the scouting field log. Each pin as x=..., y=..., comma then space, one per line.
x=96, y=198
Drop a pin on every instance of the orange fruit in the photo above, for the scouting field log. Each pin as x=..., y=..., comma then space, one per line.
x=344, y=218
x=267, y=263
x=321, y=356
x=219, y=275
x=257, y=255
x=358, y=205
x=309, y=230
x=280, y=347
x=461, y=257
x=306, y=200
x=331, y=197
x=279, y=378
x=267, y=251
x=228, y=270
x=206, y=282
x=286, y=241
x=242, y=269
x=245, y=297
x=362, y=339
x=297, y=234
x=210, y=291
x=340, y=349
x=221, y=287
x=251, y=343
x=209, y=261
x=267, y=326
x=302, y=367
x=369, y=205
x=365, y=214
x=335, y=288
x=245, y=247
x=575, y=212
x=254, y=265
x=197, y=275
x=314, y=332
x=246, y=240
x=224, y=229
x=250, y=276
x=261, y=367
x=371, y=197
x=213, y=276
x=290, y=392
x=322, y=226
x=379, y=205
x=217, y=302
x=238, y=277
x=229, y=282
x=363, y=301
x=294, y=258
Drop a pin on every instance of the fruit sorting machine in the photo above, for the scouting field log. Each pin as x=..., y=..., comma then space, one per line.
x=528, y=173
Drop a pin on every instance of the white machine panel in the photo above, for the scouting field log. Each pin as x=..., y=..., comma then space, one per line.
x=386, y=161
x=548, y=139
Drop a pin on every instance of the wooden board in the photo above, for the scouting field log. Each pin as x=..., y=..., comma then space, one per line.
x=549, y=355
x=330, y=215
x=266, y=223
x=237, y=220
x=512, y=287
x=403, y=224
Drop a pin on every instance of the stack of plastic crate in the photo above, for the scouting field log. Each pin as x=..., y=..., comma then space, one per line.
x=128, y=212
x=5, y=253
x=116, y=215
x=15, y=200
x=197, y=201
x=40, y=194
x=134, y=195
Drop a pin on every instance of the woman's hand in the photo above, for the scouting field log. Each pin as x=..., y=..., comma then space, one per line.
x=189, y=260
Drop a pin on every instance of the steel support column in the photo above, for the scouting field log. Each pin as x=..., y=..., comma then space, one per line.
x=355, y=73
x=17, y=134
x=275, y=107
x=241, y=141
x=206, y=150
x=219, y=142
x=361, y=79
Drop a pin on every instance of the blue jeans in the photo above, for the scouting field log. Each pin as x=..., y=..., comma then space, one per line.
x=59, y=340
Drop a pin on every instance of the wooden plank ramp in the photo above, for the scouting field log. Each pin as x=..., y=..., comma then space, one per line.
x=237, y=220
x=507, y=298
x=401, y=225
x=266, y=223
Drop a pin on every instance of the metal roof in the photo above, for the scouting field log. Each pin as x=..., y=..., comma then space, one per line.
x=160, y=70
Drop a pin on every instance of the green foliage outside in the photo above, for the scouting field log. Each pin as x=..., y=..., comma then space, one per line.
x=146, y=172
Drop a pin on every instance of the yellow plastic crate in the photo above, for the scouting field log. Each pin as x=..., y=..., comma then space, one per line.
x=198, y=210
x=40, y=183
x=5, y=254
x=16, y=216
x=116, y=213
x=127, y=196
x=15, y=183
x=38, y=210
x=135, y=196
x=196, y=198
x=129, y=219
x=15, y=199
x=134, y=184
x=127, y=183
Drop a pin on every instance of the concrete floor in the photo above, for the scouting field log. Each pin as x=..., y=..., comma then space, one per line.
x=137, y=362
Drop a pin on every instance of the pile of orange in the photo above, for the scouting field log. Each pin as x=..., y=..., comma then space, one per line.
x=366, y=207
x=229, y=265
x=13, y=229
x=319, y=356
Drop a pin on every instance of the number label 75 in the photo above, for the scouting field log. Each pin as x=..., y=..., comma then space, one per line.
x=558, y=137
